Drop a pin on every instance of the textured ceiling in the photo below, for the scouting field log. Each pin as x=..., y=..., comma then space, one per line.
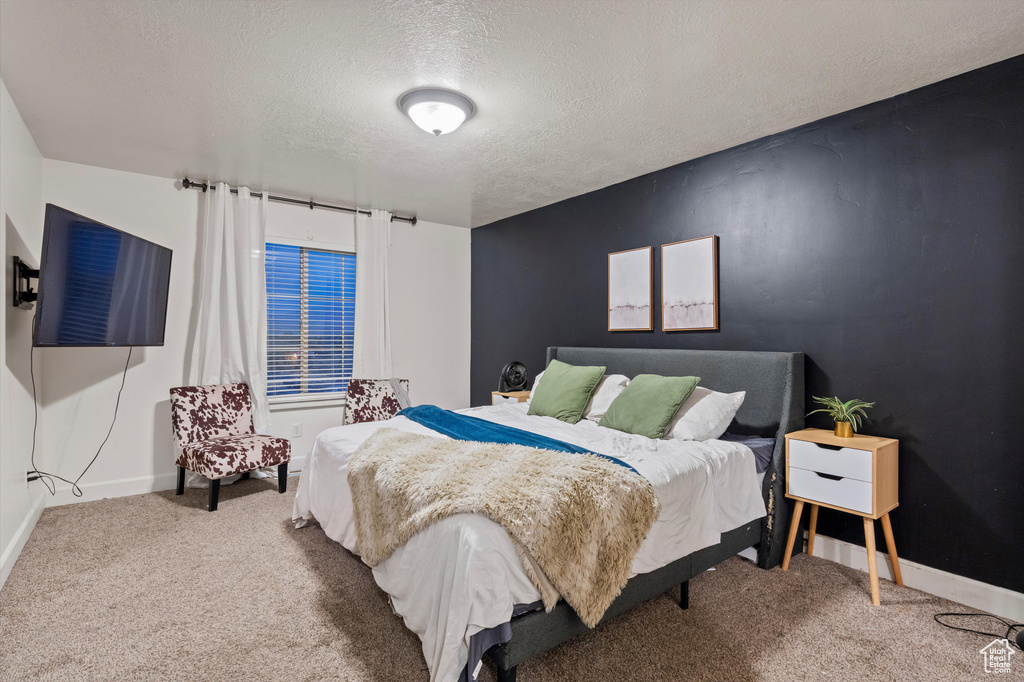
x=573, y=96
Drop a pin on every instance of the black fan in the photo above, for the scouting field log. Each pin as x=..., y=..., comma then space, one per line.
x=513, y=377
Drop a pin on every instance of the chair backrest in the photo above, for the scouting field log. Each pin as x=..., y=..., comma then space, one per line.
x=371, y=400
x=203, y=412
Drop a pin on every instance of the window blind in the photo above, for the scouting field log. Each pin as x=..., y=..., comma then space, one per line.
x=310, y=320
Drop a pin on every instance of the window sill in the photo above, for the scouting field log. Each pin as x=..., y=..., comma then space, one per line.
x=285, y=403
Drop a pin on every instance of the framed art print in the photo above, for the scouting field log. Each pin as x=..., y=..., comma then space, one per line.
x=631, y=290
x=689, y=285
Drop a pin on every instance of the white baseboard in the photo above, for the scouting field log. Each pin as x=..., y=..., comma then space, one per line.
x=130, y=486
x=973, y=593
x=17, y=543
x=118, y=488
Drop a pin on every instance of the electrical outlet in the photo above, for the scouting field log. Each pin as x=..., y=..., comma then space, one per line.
x=297, y=430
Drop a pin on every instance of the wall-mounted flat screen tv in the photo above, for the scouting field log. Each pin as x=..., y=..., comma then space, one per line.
x=99, y=286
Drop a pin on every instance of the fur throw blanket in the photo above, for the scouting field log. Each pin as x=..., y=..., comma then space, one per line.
x=576, y=518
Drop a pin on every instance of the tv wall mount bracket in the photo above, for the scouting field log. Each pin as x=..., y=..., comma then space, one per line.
x=24, y=295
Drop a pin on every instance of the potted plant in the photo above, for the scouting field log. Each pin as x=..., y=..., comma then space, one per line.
x=847, y=416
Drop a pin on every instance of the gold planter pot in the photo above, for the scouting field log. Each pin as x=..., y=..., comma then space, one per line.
x=844, y=430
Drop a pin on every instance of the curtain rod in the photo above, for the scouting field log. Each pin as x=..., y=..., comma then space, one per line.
x=189, y=184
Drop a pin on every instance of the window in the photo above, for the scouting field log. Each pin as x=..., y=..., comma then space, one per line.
x=310, y=320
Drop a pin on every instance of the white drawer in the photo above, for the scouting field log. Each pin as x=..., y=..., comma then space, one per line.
x=845, y=462
x=848, y=493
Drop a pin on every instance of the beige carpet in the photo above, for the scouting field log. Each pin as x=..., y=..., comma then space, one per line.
x=154, y=587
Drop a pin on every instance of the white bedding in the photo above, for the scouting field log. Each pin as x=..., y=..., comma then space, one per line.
x=462, y=575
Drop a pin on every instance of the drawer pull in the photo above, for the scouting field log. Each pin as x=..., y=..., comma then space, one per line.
x=830, y=477
x=834, y=448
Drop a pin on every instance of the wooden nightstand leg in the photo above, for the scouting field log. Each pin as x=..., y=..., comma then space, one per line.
x=810, y=530
x=794, y=526
x=890, y=544
x=869, y=541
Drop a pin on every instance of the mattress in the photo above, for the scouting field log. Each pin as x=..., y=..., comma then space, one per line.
x=462, y=575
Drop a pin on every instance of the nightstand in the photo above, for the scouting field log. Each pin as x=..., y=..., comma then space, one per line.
x=497, y=397
x=858, y=475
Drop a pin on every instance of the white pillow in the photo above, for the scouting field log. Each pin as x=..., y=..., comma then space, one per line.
x=705, y=415
x=536, y=380
x=608, y=389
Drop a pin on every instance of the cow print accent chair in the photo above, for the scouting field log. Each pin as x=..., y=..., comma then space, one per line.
x=371, y=400
x=214, y=431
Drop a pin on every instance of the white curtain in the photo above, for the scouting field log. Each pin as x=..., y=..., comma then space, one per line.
x=372, y=353
x=231, y=318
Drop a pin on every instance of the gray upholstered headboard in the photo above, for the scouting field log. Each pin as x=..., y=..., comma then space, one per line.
x=774, y=404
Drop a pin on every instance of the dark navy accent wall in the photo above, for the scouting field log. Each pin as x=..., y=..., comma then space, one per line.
x=886, y=243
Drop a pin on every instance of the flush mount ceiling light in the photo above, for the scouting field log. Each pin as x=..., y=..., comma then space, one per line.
x=435, y=110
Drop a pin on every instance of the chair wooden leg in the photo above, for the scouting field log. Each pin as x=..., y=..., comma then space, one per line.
x=214, y=493
x=794, y=526
x=181, y=481
x=890, y=545
x=282, y=477
x=245, y=476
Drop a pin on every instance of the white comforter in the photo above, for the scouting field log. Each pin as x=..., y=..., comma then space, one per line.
x=462, y=575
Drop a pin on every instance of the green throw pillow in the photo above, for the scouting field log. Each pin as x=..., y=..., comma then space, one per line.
x=565, y=391
x=648, y=404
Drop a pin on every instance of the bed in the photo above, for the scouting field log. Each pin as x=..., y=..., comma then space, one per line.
x=459, y=583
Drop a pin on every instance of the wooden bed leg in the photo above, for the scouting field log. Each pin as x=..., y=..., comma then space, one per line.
x=507, y=675
x=684, y=595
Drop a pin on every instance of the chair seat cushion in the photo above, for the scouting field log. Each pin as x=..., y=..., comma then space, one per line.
x=220, y=457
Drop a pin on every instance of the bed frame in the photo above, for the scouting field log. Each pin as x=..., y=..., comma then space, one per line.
x=774, y=406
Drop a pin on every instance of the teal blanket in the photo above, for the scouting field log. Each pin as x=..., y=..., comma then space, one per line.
x=464, y=427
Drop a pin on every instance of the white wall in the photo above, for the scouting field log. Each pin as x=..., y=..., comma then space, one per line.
x=430, y=296
x=21, y=213
x=80, y=384
x=430, y=302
